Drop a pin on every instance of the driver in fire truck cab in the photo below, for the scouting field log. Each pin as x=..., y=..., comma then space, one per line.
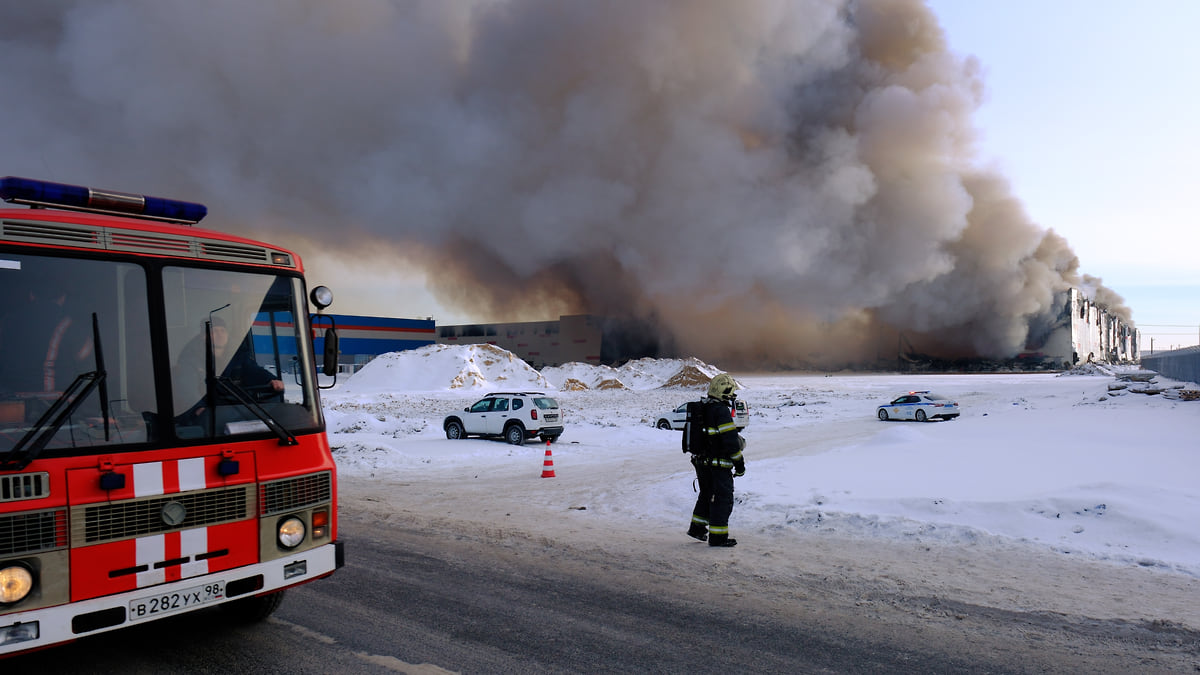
x=238, y=365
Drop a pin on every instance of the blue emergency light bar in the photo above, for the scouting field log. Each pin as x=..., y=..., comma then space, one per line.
x=40, y=193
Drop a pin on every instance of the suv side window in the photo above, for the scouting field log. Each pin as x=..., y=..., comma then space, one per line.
x=482, y=406
x=501, y=405
x=518, y=403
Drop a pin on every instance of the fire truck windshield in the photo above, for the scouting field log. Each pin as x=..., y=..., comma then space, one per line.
x=234, y=336
x=246, y=328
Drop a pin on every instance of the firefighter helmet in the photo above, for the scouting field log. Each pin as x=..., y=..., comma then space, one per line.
x=721, y=387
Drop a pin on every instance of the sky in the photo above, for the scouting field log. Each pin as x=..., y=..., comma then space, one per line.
x=1039, y=461
x=1090, y=111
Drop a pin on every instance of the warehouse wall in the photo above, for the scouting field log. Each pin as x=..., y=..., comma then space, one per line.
x=1180, y=364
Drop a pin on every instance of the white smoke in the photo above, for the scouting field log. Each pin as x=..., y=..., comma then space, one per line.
x=782, y=180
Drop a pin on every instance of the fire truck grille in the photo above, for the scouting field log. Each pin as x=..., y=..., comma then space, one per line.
x=224, y=250
x=22, y=533
x=301, y=492
x=51, y=233
x=115, y=239
x=140, y=517
x=21, y=486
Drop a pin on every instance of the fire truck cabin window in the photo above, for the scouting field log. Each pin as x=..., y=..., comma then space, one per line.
x=238, y=358
x=74, y=329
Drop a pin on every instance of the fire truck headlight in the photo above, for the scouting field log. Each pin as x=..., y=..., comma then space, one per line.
x=291, y=532
x=16, y=581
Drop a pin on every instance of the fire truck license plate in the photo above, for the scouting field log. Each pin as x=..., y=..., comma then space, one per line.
x=157, y=605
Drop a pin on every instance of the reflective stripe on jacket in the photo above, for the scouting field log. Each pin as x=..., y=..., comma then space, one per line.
x=712, y=461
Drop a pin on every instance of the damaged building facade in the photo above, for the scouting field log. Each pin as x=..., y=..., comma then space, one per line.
x=1082, y=331
x=1085, y=332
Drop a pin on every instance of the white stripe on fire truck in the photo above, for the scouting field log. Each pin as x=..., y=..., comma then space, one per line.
x=150, y=550
x=191, y=544
x=191, y=474
x=147, y=479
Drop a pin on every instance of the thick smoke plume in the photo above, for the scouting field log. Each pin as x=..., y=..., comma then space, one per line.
x=781, y=181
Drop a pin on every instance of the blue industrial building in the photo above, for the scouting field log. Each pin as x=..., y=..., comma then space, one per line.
x=362, y=338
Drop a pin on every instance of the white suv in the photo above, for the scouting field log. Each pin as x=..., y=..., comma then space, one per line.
x=515, y=416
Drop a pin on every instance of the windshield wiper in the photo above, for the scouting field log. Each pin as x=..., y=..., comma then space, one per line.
x=235, y=391
x=20, y=456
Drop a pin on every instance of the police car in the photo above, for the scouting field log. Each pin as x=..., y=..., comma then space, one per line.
x=921, y=406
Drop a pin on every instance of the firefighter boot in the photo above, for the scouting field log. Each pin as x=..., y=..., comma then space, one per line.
x=698, y=531
x=721, y=540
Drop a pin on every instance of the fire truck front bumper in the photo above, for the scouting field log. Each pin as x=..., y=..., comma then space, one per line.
x=38, y=628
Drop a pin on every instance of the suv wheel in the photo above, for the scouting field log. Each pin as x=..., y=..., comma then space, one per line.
x=664, y=424
x=454, y=431
x=515, y=434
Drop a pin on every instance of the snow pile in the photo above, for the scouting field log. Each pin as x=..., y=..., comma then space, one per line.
x=445, y=367
x=480, y=367
x=639, y=375
x=577, y=376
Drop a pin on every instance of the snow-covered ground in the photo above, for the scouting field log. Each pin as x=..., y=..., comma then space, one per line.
x=1064, y=464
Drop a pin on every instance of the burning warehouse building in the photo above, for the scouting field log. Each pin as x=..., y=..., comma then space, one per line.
x=576, y=338
x=1083, y=331
x=1088, y=332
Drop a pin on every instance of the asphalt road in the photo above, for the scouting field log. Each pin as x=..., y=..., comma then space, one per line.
x=421, y=601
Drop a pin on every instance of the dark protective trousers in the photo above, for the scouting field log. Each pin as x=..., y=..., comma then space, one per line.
x=715, y=501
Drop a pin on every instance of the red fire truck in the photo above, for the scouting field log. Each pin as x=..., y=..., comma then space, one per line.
x=162, y=447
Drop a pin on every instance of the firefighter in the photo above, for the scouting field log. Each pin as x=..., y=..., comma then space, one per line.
x=716, y=449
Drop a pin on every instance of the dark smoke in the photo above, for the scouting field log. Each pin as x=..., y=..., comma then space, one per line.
x=787, y=181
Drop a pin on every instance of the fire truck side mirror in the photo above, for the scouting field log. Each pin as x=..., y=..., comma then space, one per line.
x=322, y=297
x=330, y=365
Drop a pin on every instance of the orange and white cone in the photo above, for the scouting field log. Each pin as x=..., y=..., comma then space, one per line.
x=548, y=464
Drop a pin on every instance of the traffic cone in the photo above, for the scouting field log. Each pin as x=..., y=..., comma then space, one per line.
x=548, y=464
